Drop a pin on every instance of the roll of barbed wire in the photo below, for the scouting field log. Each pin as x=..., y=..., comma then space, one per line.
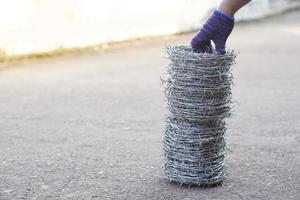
x=198, y=93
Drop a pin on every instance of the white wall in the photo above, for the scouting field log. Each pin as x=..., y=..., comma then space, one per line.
x=28, y=26
x=257, y=9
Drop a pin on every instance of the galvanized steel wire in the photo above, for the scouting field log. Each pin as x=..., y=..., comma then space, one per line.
x=198, y=94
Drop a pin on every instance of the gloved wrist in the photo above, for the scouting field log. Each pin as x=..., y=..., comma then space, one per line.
x=221, y=14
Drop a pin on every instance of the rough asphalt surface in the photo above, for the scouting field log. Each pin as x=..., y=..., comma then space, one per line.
x=89, y=126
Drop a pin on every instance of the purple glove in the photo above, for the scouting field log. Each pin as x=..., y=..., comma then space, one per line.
x=217, y=28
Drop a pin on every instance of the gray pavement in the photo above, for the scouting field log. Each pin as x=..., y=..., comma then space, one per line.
x=89, y=126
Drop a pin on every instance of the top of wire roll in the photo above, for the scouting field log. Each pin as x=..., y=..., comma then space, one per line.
x=187, y=53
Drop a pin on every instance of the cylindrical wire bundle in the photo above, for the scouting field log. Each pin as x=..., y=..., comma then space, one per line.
x=198, y=94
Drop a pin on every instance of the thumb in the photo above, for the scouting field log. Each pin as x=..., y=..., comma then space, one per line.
x=220, y=46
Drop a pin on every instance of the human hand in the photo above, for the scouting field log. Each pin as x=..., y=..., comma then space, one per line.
x=217, y=29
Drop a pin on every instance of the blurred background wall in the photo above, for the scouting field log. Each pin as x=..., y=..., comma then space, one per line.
x=30, y=26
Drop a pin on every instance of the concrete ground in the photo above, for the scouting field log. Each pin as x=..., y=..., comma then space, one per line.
x=89, y=126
